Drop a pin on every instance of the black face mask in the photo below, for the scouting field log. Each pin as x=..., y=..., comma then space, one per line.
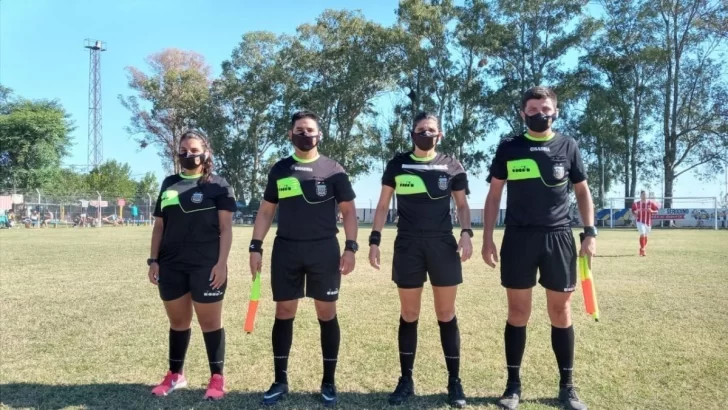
x=424, y=140
x=539, y=122
x=190, y=162
x=304, y=142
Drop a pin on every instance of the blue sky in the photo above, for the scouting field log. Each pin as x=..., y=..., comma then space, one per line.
x=42, y=56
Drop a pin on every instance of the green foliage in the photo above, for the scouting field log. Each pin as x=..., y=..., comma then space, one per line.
x=66, y=183
x=34, y=139
x=250, y=96
x=177, y=94
x=112, y=178
x=148, y=184
x=339, y=66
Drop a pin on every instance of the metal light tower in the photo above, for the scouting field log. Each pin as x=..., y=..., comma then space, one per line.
x=95, y=134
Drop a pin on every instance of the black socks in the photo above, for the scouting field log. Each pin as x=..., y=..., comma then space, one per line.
x=215, y=345
x=562, y=341
x=407, y=346
x=282, y=340
x=330, y=340
x=450, y=339
x=178, y=342
x=515, y=341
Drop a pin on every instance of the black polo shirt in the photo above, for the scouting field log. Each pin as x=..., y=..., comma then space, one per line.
x=306, y=192
x=538, y=172
x=423, y=187
x=191, y=223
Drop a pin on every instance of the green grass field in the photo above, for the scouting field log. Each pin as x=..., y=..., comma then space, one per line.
x=81, y=327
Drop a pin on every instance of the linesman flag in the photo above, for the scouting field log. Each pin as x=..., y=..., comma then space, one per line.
x=253, y=304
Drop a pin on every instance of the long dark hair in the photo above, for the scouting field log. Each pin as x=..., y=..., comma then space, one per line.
x=207, y=165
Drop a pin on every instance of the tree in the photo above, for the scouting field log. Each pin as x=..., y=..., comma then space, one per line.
x=170, y=100
x=112, y=178
x=464, y=118
x=34, y=138
x=527, y=43
x=618, y=77
x=66, y=183
x=694, y=93
x=339, y=65
x=148, y=184
x=250, y=94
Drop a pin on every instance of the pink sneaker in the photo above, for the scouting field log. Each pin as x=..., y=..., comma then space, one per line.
x=171, y=382
x=216, y=387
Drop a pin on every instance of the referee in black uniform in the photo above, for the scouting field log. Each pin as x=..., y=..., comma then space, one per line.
x=538, y=167
x=190, y=246
x=306, y=188
x=425, y=181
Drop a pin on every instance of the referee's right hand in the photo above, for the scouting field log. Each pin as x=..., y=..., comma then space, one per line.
x=489, y=253
x=374, y=256
x=256, y=263
x=154, y=273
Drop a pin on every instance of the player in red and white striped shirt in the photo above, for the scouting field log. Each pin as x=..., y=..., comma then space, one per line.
x=643, y=211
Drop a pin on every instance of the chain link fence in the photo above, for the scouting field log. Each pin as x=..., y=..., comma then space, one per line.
x=92, y=209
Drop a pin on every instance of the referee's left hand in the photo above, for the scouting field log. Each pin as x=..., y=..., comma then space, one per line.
x=347, y=262
x=466, y=246
x=218, y=276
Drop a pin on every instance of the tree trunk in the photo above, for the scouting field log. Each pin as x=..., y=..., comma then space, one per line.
x=669, y=180
x=627, y=173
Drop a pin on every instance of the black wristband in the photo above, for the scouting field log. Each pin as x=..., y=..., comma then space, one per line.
x=375, y=238
x=467, y=231
x=256, y=246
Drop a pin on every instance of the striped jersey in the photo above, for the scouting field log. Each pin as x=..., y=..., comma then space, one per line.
x=643, y=210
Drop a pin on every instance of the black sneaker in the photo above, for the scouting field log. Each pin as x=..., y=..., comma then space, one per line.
x=569, y=399
x=511, y=397
x=328, y=394
x=276, y=392
x=405, y=389
x=455, y=394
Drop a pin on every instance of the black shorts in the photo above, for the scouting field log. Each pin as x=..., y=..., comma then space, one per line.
x=416, y=257
x=550, y=251
x=314, y=264
x=175, y=282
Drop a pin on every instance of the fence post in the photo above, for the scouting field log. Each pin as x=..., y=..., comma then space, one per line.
x=715, y=213
x=98, y=210
x=149, y=208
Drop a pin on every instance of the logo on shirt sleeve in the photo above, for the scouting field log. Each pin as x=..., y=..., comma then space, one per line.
x=321, y=188
x=197, y=197
x=442, y=183
x=559, y=171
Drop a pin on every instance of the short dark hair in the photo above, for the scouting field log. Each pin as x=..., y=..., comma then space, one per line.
x=303, y=114
x=424, y=115
x=643, y=192
x=538, y=93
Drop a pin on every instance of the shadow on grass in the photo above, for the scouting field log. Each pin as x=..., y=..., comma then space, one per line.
x=137, y=396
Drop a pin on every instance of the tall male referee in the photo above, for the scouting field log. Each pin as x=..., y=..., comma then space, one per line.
x=538, y=166
x=305, y=187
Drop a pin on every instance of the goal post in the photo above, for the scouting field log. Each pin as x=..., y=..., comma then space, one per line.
x=684, y=212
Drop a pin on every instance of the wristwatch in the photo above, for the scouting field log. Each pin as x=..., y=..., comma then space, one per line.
x=467, y=231
x=150, y=261
x=351, y=246
x=590, y=231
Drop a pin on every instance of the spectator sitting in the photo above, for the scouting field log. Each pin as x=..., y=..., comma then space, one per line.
x=112, y=220
x=47, y=218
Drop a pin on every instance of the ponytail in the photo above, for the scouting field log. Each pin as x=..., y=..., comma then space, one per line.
x=207, y=167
